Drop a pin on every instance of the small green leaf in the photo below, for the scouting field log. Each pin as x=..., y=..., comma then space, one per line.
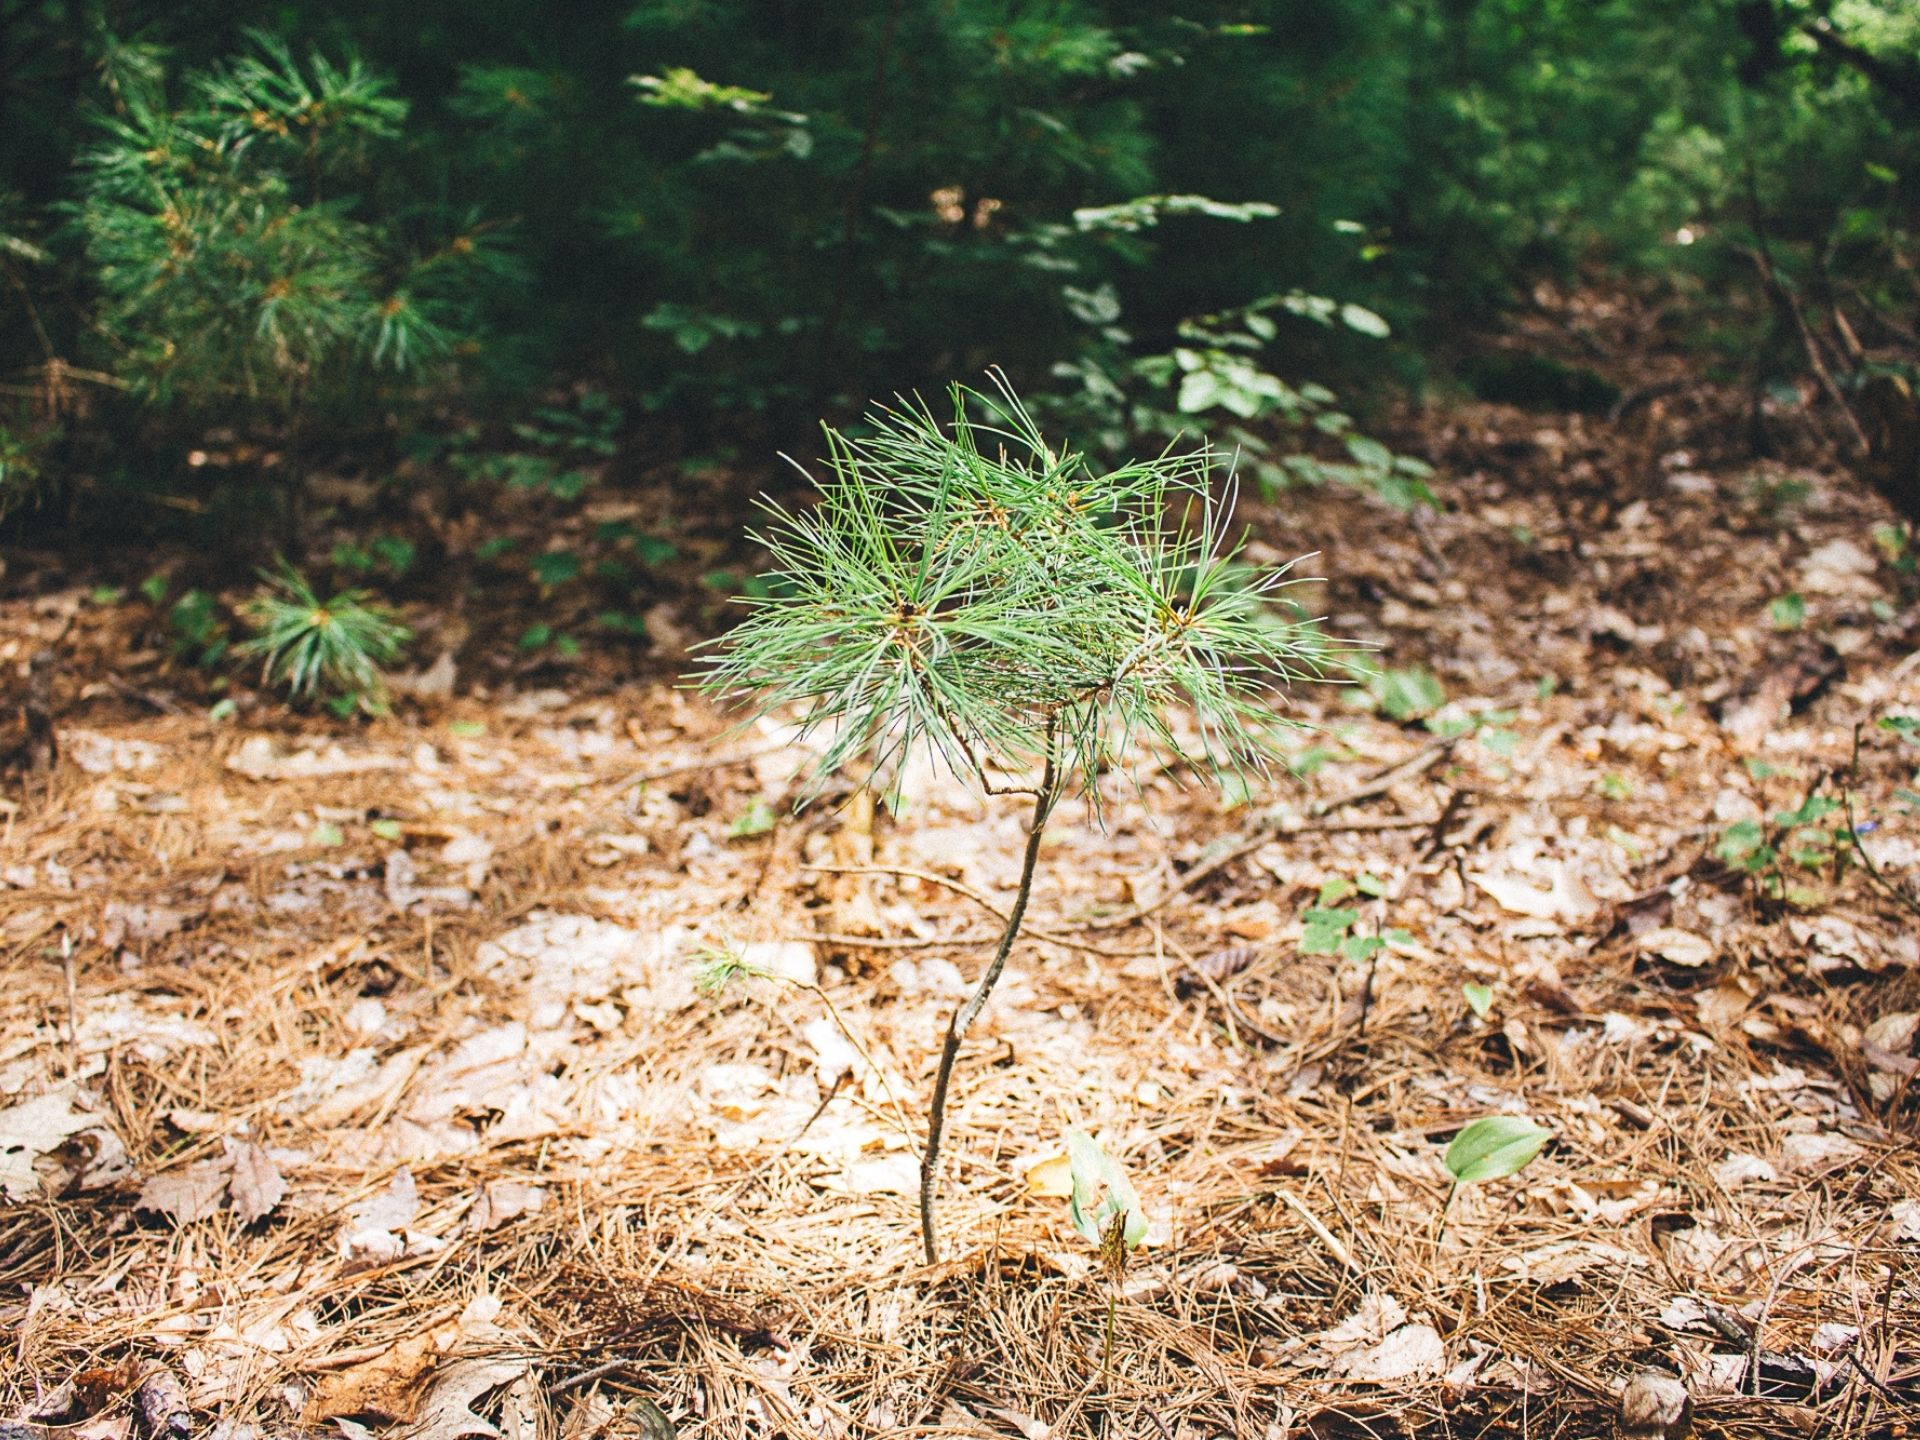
x=555, y=567
x=652, y=550
x=1101, y=1191
x=1358, y=317
x=1907, y=727
x=1500, y=741
x=1479, y=998
x=1788, y=611
x=223, y=710
x=1814, y=807
x=1741, y=840
x=1361, y=947
x=1494, y=1147
x=154, y=588
x=758, y=819
x=1309, y=762
x=328, y=834
x=1407, y=694
x=1335, y=890
x=466, y=729
x=388, y=830
x=1325, y=929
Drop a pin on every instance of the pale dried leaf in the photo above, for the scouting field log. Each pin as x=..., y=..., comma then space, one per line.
x=1677, y=946
x=1411, y=1352
x=30, y=1130
x=448, y=1414
x=187, y=1195
x=256, y=1186
x=502, y=1200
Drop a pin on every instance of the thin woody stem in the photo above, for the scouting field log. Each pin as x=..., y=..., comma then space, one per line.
x=1045, y=797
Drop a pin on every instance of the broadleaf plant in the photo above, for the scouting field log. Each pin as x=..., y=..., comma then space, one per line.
x=962, y=587
x=1494, y=1147
x=1490, y=1148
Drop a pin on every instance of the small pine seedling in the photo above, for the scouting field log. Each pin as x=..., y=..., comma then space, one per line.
x=331, y=650
x=965, y=588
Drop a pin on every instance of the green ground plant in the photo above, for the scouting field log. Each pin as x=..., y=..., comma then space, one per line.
x=963, y=588
x=1107, y=1214
x=1490, y=1148
x=330, y=650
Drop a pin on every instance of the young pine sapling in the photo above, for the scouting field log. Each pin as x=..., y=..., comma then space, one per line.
x=965, y=588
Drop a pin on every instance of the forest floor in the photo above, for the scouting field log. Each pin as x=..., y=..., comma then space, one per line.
x=355, y=1075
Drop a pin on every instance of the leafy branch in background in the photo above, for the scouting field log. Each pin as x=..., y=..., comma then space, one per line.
x=1217, y=371
x=232, y=260
x=963, y=588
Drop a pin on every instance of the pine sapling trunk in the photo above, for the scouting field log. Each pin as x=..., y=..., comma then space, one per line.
x=1043, y=802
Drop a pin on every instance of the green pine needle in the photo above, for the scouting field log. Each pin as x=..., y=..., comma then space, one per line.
x=962, y=586
x=329, y=649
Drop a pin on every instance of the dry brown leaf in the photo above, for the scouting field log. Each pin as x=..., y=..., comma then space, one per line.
x=185, y=1196
x=1409, y=1353
x=1677, y=946
x=256, y=1186
x=30, y=1130
x=387, y=1387
x=502, y=1200
x=447, y=1413
x=1566, y=898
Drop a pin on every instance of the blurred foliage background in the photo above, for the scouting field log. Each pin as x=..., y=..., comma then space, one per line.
x=327, y=230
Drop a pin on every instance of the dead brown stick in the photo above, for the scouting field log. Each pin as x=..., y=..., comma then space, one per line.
x=1785, y=302
x=985, y=902
x=695, y=767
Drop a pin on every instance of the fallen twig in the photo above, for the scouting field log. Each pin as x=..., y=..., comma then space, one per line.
x=1277, y=823
x=983, y=901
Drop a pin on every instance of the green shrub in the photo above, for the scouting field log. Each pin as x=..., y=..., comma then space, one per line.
x=234, y=263
x=330, y=650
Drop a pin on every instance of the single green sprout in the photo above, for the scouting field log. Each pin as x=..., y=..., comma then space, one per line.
x=1106, y=1211
x=1491, y=1148
x=964, y=588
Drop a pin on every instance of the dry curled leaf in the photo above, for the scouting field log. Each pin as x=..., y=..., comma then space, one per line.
x=30, y=1130
x=189, y=1194
x=256, y=1185
x=387, y=1387
x=448, y=1413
